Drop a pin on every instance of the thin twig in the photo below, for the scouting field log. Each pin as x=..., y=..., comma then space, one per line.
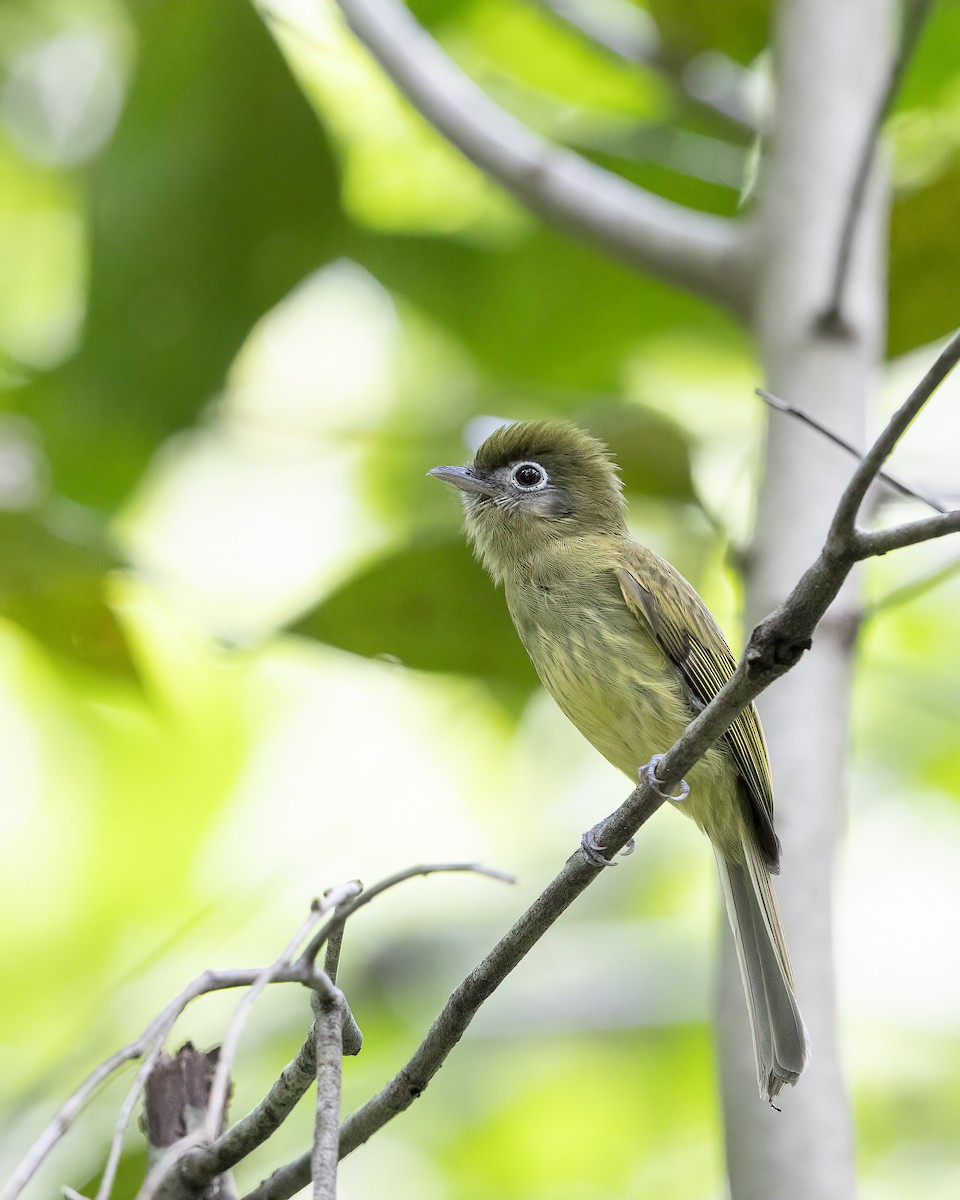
x=913, y=22
x=200, y=1166
x=774, y=647
x=217, y=1101
x=159, y=1027
x=123, y=1119
x=843, y=528
x=219, y=1090
x=872, y=543
x=347, y=909
x=257, y=1126
x=705, y=253
x=802, y=415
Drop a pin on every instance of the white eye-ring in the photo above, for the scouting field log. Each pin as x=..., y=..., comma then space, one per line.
x=529, y=476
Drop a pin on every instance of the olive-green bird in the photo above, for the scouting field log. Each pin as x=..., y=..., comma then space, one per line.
x=631, y=653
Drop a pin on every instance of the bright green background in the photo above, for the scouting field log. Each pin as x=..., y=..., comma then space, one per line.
x=248, y=300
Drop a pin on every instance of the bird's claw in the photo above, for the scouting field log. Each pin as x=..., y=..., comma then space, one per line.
x=593, y=851
x=651, y=773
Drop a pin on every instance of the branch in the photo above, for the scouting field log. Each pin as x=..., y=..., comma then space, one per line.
x=337, y=921
x=326, y=1138
x=831, y=320
x=630, y=34
x=704, y=253
x=775, y=646
x=196, y=1169
x=873, y=543
x=123, y=1119
x=801, y=414
x=147, y=1044
x=842, y=533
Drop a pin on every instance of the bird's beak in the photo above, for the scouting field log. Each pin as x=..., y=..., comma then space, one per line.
x=462, y=478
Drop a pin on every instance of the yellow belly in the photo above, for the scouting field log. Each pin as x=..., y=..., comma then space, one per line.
x=616, y=685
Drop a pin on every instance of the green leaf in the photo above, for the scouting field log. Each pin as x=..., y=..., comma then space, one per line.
x=432, y=608
x=52, y=584
x=924, y=264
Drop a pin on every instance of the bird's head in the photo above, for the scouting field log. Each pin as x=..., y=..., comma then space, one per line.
x=531, y=483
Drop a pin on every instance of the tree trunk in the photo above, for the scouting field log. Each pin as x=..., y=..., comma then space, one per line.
x=832, y=61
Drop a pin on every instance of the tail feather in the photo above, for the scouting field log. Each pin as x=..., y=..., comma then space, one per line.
x=780, y=1039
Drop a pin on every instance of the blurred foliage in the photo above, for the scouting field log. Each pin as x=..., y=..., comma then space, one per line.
x=202, y=392
x=54, y=587
x=925, y=261
x=212, y=198
x=401, y=606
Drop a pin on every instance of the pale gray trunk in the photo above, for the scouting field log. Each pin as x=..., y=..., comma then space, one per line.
x=832, y=60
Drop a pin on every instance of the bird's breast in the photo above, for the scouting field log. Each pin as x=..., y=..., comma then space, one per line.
x=599, y=663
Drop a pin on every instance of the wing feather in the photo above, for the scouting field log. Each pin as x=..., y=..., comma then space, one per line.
x=684, y=627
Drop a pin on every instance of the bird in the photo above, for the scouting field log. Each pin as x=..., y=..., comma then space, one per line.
x=630, y=653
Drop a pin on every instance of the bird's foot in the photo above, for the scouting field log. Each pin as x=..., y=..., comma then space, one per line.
x=650, y=770
x=593, y=851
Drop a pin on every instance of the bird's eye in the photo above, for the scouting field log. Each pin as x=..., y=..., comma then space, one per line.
x=529, y=476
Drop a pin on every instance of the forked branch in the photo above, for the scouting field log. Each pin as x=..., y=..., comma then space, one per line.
x=775, y=646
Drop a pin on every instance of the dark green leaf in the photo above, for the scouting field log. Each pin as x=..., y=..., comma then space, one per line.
x=432, y=608
x=924, y=264
x=52, y=584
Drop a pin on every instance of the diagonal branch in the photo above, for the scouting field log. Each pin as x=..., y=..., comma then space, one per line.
x=842, y=530
x=775, y=646
x=896, y=485
x=704, y=253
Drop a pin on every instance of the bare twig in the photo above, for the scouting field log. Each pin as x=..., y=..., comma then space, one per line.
x=351, y=1038
x=254, y=1129
x=704, y=253
x=347, y=909
x=843, y=529
x=123, y=1119
x=217, y=1101
x=831, y=320
x=630, y=34
x=196, y=1169
x=774, y=647
x=802, y=415
x=872, y=543
x=159, y=1027
x=326, y=1138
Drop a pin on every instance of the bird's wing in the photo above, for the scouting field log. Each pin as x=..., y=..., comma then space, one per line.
x=658, y=596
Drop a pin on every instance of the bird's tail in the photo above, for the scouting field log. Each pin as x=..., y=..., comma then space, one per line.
x=779, y=1035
